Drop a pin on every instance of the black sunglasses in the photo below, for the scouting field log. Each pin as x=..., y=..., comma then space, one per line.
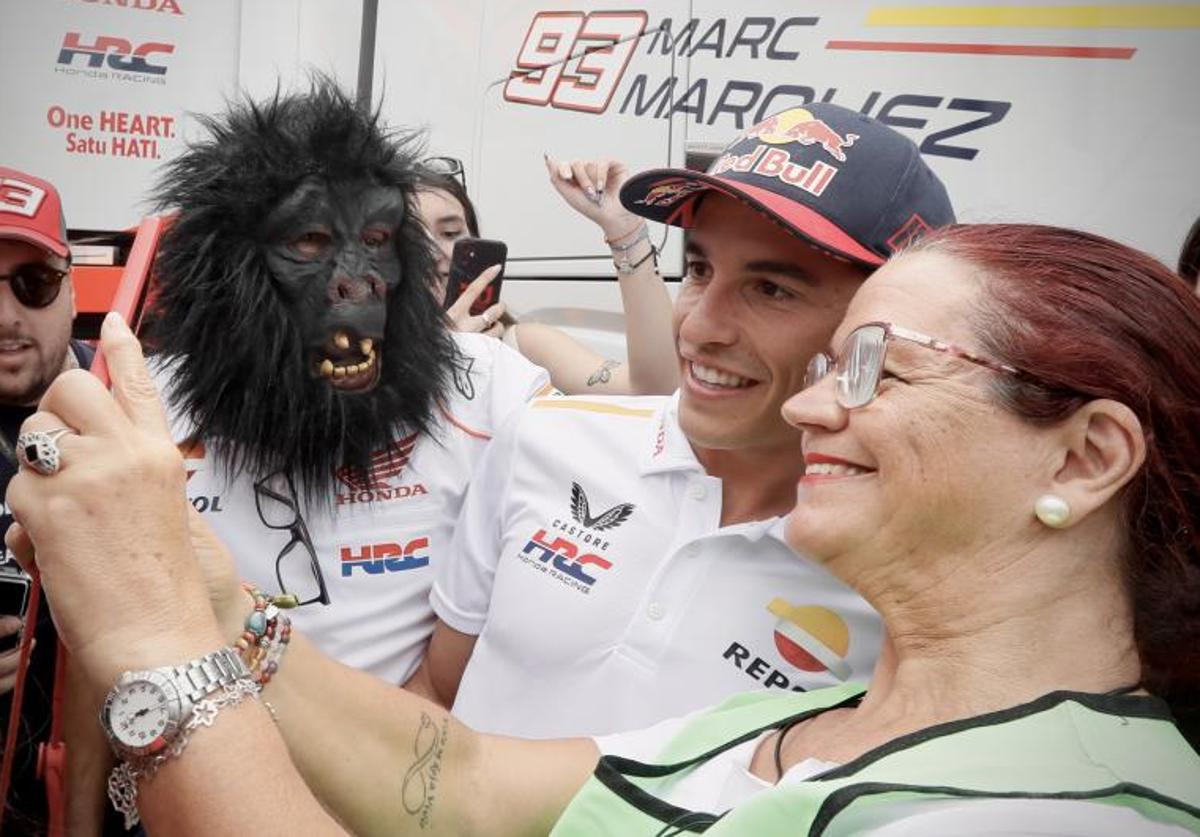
x=35, y=284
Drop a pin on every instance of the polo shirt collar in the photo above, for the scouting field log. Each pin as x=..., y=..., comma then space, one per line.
x=666, y=448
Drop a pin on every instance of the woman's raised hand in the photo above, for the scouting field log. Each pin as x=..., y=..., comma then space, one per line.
x=592, y=188
x=108, y=531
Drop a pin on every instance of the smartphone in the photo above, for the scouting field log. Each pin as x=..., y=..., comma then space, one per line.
x=471, y=257
x=14, y=599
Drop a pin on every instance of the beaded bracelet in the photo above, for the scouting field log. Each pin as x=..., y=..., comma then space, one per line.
x=266, y=635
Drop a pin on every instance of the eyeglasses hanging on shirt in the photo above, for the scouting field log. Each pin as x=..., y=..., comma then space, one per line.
x=298, y=571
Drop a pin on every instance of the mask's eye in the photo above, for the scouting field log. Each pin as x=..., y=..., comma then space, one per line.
x=376, y=238
x=312, y=244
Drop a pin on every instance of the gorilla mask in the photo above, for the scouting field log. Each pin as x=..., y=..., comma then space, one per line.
x=295, y=309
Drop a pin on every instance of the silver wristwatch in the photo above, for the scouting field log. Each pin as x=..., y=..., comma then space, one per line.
x=145, y=711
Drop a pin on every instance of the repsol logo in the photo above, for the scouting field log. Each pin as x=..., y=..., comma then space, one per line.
x=206, y=503
x=758, y=669
x=380, y=558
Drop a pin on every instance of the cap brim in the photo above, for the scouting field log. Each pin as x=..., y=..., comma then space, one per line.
x=37, y=239
x=800, y=219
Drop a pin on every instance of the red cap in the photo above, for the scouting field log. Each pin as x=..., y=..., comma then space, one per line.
x=31, y=211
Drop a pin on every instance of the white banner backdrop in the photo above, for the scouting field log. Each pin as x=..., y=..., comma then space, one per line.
x=98, y=93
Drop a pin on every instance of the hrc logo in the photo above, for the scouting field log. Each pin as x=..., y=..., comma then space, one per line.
x=562, y=559
x=380, y=558
x=120, y=53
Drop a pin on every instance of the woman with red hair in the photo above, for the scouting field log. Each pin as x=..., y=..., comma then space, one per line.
x=1003, y=456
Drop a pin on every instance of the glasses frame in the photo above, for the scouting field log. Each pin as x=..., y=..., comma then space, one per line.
x=891, y=331
x=299, y=532
x=453, y=167
x=19, y=282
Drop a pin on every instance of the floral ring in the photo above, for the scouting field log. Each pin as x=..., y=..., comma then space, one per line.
x=38, y=449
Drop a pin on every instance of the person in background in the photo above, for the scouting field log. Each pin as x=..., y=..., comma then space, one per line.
x=1002, y=439
x=449, y=216
x=37, y=310
x=574, y=368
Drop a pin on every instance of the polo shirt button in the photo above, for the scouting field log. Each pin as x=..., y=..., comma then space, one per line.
x=698, y=492
x=656, y=611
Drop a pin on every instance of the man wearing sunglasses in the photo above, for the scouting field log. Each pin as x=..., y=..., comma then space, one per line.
x=37, y=308
x=621, y=561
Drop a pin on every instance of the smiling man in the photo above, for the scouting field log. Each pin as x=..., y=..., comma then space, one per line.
x=621, y=560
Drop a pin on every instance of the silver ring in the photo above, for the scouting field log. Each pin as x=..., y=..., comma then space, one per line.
x=38, y=449
x=487, y=317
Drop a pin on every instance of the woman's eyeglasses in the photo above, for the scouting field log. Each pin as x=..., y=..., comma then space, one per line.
x=297, y=571
x=35, y=284
x=859, y=364
x=446, y=167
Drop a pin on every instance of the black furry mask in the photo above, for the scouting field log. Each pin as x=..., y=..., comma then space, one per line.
x=294, y=285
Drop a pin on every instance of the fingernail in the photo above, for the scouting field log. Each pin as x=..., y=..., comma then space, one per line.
x=113, y=319
x=591, y=193
x=564, y=172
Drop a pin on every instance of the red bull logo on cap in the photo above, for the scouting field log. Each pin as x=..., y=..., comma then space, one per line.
x=776, y=162
x=799, y=125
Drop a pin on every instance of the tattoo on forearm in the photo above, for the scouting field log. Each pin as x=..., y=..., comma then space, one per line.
x=419, y=788
x=604, y=374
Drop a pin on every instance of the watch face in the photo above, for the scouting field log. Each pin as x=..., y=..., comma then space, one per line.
x=141, y=714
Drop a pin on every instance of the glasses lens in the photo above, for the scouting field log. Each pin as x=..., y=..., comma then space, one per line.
x=276, y=508
x=859, y=366
x=298, y=572
x=818, y=368
x=36, y=285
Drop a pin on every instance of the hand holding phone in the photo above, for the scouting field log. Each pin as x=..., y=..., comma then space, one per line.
x=471, y=257
x=14, y=599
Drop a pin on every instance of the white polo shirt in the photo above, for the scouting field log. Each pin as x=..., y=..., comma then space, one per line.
x=378, y=540
x=590, y=561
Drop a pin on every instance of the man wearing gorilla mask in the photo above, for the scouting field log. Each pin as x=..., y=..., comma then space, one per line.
x=330, y=421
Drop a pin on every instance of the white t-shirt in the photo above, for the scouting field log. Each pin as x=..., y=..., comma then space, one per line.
x=590, y=561
x=379, y=540
x=725, y=781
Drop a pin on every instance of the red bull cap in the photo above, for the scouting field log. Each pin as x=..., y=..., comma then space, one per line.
x=31, y=211
x=848, y=184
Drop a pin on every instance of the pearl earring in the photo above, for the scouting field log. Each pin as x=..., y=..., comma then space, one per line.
x=1052, y=510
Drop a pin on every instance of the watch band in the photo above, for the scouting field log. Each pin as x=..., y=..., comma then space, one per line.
x=206, y=674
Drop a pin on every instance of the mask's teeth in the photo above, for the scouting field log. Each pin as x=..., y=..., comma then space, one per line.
x=341, y=340
x=327, y=368
x=365, y=345
x=339, y=371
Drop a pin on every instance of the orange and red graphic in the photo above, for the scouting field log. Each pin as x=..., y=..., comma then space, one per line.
x=799, y=125
x=811, y=637
x=386, y=463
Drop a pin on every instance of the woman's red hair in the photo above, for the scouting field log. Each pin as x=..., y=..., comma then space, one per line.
x=1090, y=318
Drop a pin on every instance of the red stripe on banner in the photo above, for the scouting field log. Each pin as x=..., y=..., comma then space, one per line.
x=1120, y=53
